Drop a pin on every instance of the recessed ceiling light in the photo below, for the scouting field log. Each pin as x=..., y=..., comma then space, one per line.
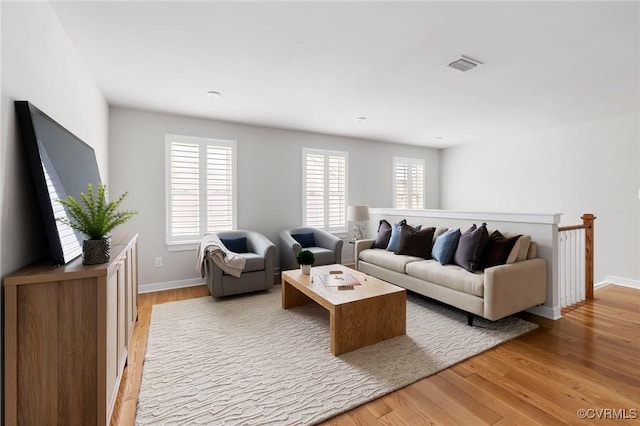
x=213, y=94
x=464, y=63
x=361, y=119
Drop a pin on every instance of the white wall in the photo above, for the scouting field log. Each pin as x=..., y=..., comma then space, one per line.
x=269, y=178
x=40, y=64
x=592, y=167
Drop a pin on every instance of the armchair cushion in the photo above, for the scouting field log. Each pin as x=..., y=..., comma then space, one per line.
x=236, y=245
x=323, y=256
x=306, y=240
x=255, y=262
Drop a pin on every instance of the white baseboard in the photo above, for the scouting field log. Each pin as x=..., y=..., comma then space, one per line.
x=169, y=285
x=624, y=282
x=546, y=312
x=172, y=285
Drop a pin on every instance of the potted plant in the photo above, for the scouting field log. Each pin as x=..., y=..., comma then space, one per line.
x=95, y=217
x=305, y=259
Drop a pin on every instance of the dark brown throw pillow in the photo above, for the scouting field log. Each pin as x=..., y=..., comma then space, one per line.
x=471, y=247
x=498, y=249
x=415, y=242
x=384, y=234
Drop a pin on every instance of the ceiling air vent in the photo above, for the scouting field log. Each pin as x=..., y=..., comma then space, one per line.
x=464, y=63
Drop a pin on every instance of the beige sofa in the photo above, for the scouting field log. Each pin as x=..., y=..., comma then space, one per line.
x=493, y=294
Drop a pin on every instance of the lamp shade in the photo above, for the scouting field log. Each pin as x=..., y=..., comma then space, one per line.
x=357, y=213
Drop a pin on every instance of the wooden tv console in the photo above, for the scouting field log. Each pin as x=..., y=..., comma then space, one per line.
x=66, y=337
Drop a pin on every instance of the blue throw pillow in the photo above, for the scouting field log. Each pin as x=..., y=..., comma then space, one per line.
x=445, y=246
x=305, y=240
x=394, y=241
x=236, y=245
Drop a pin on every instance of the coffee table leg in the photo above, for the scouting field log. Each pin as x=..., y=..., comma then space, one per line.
x=365, y=322
x=291, y=296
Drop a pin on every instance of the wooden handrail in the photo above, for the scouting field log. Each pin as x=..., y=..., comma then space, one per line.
x=588, y=220
x=570, y=228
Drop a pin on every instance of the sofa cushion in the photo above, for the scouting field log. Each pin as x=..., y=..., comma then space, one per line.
x=236, y=245
x=384, y=235
x=323, y=256
x=451, y=276
x=445, y=246
x=498, y=249
x=388, y=260
x=520, y=249
x=471, y=247
x=415, y=242
x=305, y=240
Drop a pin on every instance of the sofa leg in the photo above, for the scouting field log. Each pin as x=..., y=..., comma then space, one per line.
x=470, y=319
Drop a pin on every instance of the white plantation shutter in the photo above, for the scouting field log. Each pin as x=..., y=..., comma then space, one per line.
x=416, y=185
x=219, y=188
x=185, y=190
x=315, y=190
x=325, y=189
x=336, y=205
x=200, y=187
x=408, y=183
x=401, y=185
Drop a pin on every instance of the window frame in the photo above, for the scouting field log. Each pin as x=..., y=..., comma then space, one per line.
x=190, y=242
x=408, y=161
x=339, y=231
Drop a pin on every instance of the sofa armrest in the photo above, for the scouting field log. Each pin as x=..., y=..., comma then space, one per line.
x=514, y=287
x=361, y=245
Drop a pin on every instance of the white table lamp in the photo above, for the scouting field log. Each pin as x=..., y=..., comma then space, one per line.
x=357, y=214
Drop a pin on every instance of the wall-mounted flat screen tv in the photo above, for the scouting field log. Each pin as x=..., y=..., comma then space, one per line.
x=61, y=165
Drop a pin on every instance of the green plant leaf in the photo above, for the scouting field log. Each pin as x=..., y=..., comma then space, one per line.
x=94, y=215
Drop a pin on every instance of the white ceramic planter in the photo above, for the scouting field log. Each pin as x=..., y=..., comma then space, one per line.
x=306, y=269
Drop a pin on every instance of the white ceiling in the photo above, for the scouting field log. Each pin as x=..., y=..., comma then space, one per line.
x=317, y=66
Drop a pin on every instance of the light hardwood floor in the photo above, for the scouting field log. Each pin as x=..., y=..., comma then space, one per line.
x=589, y=360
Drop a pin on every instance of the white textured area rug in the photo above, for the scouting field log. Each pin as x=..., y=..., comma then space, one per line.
x=247, y=361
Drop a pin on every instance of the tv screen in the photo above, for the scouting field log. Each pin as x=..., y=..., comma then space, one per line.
x=61, y=165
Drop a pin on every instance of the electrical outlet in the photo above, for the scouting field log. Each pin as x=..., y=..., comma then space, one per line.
x=158, y=262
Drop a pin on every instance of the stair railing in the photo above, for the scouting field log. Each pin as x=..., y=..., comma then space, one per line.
x=576, y=261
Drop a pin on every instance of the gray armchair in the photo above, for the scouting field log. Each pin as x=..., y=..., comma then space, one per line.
x=327, y=248
x=258, y=271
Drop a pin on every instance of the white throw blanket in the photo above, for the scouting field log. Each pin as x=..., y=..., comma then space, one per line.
x=230, y=262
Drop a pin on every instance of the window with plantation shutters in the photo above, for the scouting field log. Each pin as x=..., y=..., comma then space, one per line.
x=200, y=187
x=325, y=189
x=408, y=183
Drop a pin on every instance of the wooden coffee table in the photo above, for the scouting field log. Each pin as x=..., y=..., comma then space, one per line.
x=367, y=314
